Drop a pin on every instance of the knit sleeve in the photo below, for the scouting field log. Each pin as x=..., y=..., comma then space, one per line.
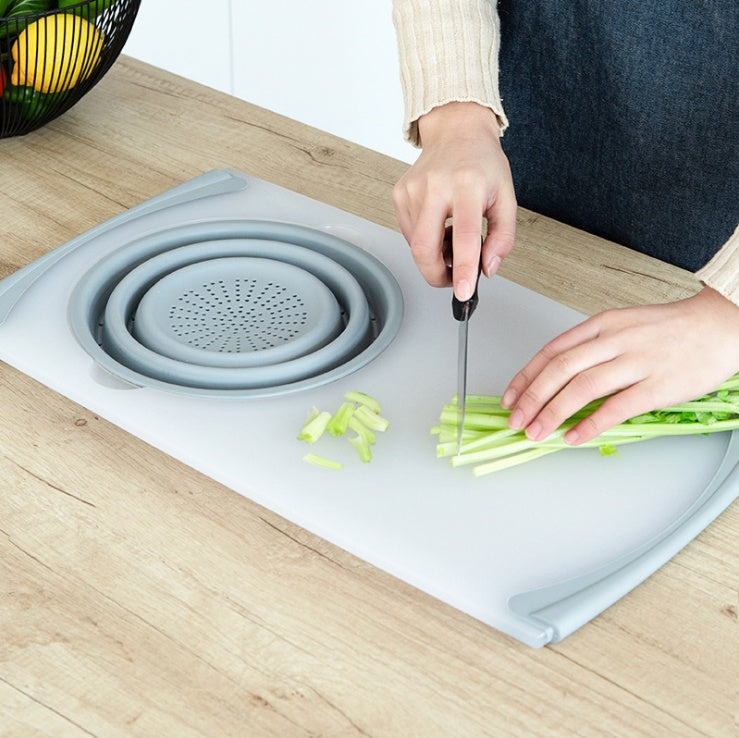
x=448, y=51
x=722, y=272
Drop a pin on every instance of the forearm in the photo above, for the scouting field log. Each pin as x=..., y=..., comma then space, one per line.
x=448, y=51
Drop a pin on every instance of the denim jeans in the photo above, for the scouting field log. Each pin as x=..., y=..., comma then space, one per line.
x=624, y=118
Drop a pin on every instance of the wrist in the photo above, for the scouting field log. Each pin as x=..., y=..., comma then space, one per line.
x=457, y=118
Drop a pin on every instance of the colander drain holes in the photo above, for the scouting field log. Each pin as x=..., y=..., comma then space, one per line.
x=235, y=308
x=238, y=315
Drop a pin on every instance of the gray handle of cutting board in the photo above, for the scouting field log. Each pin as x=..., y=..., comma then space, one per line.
x=215, y=182
x=562, y=608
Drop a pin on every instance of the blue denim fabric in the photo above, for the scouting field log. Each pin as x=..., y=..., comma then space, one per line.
x=625, y=120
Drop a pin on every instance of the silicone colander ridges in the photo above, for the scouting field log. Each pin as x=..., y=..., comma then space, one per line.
x=236, y=308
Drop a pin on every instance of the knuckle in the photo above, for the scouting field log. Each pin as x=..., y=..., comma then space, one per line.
x=424, y=250
x=552, y=415
x=529, y=399
x=549, y=351
x=562, y=364
x=469, y=177
x=591, y=427
x=585, y=385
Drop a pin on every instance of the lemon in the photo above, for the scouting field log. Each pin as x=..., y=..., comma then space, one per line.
x=55, y=52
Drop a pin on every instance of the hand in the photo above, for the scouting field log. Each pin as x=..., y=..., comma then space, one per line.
x=645, y=358
x=463, y=174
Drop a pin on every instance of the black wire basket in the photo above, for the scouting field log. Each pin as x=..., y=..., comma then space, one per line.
x=50, y=58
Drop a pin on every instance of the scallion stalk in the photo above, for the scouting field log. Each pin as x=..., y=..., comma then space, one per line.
x=489, y=444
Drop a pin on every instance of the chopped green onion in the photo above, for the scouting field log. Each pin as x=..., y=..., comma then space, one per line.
x=322, y=461
x=340, y=419
x=362, y=446
x=371, y=420
x=360, y=412
x=315, y=427
x=362, y=430
x=363, y=399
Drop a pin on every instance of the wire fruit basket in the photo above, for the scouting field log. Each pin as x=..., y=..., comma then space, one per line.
x=52, y=52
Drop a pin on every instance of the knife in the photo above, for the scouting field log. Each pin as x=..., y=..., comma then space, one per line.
x=462, y=311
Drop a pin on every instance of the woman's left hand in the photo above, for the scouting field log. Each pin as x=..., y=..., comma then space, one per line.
x=640, y=358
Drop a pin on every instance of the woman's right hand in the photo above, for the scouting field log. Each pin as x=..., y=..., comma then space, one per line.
x=462, y=174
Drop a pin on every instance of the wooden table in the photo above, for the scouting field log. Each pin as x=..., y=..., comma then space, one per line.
x=140, y=598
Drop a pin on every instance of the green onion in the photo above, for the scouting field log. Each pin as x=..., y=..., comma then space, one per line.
x=315, y=426
x=362, y=446
x=360, y=398
x=489, y=444
x=322, y=461
x=362, y=430
x=340, y=419
x=360, y=413
x=371, y=420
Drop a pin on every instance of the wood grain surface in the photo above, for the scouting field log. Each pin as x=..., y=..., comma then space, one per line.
x=140, y=598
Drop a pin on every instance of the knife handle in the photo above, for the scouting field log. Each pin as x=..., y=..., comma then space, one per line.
x=462, y=310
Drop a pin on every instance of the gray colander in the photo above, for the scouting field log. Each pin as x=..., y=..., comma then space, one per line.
x=211, y=261
x=236, y=311
x=236, y=308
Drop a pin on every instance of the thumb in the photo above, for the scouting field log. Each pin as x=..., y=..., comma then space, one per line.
x=501, y=217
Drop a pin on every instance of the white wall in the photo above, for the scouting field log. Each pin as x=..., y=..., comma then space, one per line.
x=328, y=63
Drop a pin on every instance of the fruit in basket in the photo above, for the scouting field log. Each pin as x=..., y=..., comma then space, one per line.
x=89, y=11
x=55, y=52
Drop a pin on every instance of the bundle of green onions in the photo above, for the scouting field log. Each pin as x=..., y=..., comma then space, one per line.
x=491, y=445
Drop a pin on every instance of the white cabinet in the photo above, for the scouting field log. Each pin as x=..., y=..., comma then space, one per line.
x=328, y=63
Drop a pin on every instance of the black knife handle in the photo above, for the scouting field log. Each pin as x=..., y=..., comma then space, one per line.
x=462, y=309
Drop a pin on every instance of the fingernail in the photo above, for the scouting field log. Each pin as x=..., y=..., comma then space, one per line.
x=509, y=397
x=463, y=290
x=534, y=431
x=572, y=437
x=516, y=420
x=492, y=264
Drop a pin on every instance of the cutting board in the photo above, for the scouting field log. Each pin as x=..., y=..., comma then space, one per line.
x=535, y=551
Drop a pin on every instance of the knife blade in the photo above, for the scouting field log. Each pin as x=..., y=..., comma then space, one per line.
x=462, y=311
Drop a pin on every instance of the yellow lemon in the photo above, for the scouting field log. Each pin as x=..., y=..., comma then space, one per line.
x=55, y=52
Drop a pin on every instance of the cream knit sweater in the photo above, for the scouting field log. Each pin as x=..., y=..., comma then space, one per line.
x=448, y=51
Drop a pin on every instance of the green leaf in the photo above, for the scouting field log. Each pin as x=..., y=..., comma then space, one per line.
x=89, y=10
x=27, y=7
x=17, y=12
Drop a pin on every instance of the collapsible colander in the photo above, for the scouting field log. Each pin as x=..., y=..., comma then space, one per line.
x=236, y=308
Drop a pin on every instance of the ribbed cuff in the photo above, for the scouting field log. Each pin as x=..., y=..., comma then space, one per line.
x=722, y=272
x=448, y=51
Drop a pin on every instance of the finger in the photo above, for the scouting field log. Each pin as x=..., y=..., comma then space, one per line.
x=616, y=409
x=583, y=332
x=592, y=384
x=405, y=223
x=404, y=212
x=467, y=242
x=501, y=231
x=427, y=245
x=570, y=368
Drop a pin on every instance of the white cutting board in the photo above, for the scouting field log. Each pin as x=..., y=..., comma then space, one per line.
x=535, y=551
